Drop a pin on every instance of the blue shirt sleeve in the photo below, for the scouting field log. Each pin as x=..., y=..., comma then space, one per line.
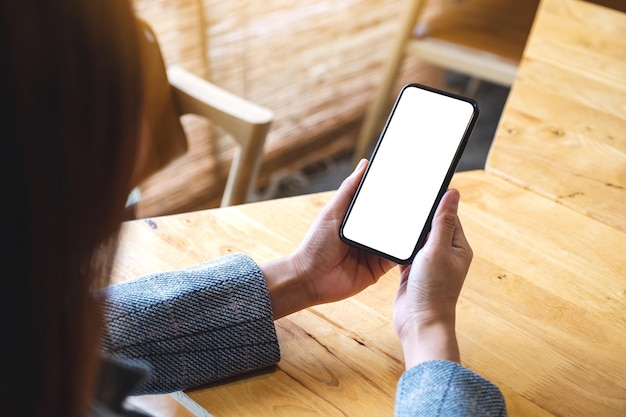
x=193, y=326
x=444, y=388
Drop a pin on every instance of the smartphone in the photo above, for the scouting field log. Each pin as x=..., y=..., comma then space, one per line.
x=409, y=171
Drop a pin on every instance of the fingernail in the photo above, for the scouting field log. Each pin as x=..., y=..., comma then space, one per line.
x=456, y=197
x=359, y=165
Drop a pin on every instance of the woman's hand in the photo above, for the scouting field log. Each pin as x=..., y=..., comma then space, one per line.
x=323, y=268
x=424, y=312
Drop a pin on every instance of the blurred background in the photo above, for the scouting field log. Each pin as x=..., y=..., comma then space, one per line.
x=315, y=64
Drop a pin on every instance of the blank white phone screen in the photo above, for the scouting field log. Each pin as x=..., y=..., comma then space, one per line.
x=407, y=171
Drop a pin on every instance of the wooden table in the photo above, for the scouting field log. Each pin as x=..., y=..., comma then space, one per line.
x=562, y=131
x=543, y=310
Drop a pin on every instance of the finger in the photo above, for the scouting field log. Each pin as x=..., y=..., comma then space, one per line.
x=404, y=273
x=404, y=279
x=460, y=244
x=445, y=222
x=459, y=239
x=348, y=187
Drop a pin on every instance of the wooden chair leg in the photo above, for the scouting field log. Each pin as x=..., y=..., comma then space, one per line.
x=379, y=106
x=245, y=165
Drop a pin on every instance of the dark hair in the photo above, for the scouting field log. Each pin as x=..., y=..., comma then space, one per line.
x=70, y=96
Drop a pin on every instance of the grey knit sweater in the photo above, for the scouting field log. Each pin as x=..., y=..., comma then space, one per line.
x=211, y=321
x=193, y=326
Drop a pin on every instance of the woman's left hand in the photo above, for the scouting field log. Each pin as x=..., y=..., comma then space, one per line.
x=323, y=268
x=334, y=269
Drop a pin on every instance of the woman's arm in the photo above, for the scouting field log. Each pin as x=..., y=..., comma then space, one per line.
x=439, y=388
x=435, y=384
x=193, y=326
x=215, y=320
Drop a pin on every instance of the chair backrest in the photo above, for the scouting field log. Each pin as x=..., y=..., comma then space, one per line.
x=483, y=39
x=473, y=32
x=472, y=23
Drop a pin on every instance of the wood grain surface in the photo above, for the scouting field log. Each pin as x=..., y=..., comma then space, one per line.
x=541, y=313
x=543, y=310
x=563, y=128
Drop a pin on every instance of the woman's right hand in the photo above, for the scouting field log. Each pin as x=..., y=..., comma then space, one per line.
x=424, y=311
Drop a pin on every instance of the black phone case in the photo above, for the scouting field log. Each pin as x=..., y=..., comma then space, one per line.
x=444, y=186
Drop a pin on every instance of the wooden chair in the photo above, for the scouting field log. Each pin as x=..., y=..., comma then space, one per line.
x=483, y=39
x=171, y=93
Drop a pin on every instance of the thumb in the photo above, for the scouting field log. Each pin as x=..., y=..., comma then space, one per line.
x=445, y=221
x=348, y=187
